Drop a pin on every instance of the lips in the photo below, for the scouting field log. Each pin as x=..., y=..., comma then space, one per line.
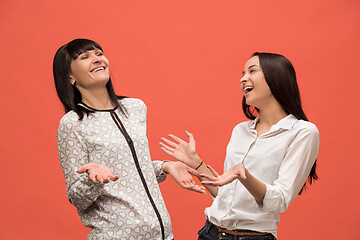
x=247, y=89
x=98, y=69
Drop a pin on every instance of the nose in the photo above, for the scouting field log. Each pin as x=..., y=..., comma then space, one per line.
x=97, y=59
x=243, y=79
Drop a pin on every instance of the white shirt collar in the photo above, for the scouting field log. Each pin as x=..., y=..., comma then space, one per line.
x=285, y=123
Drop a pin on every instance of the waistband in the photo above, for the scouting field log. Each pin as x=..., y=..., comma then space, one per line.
x=236, y=232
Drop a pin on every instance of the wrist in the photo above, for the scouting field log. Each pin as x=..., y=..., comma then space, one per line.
x=242, y=175
x=165, y=166
x=202, y=162
x=196, y=162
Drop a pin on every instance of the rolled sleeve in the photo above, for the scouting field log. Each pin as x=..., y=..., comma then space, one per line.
x=294, y=170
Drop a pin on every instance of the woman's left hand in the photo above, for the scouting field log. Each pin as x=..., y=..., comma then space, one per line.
x=236, y=172
x=181, y=173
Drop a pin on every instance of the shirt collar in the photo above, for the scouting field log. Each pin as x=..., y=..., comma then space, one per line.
x=285, y=123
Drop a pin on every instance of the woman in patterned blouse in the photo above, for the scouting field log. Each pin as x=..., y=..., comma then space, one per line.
x=104, y=152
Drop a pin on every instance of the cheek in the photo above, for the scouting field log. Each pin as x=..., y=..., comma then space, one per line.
x=78, y=70
x=106, y=61
x=266, y=90
x=265, y=87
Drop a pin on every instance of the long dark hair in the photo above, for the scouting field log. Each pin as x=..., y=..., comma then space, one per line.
x=280, y=74
x=69, y=95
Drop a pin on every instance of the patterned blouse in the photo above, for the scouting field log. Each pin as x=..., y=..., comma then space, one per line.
x=131, y=207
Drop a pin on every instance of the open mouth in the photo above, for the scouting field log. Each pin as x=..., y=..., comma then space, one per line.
x=98, y=69
x=248, y=89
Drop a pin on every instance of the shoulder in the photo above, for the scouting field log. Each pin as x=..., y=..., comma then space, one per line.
x=306, y=127
x=242, y=128
x=243, y=125
x=132, y=102
x=304, y=131
x=134, y=107
x=68, y=121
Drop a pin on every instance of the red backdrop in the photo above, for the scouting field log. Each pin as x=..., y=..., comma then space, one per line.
x=184, y=59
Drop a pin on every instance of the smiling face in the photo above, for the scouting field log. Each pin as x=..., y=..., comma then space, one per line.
x=90, y=69
x=253, y=84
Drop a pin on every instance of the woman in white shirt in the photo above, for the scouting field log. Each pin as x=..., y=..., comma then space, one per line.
x=268, y=159
x=104, y=151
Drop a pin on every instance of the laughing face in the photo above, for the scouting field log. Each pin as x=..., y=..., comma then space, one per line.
x=90, y=69
x=253, y=84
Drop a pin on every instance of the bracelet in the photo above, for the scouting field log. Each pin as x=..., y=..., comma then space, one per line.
x=199, y=165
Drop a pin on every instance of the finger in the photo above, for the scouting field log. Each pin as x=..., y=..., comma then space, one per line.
x=198, y=189
x=188, y=184
x=167, y=151
x=175, y=138
x=211, y=178
x=100, y=178
x=92, y=176
x=190, y=136
x=191, y=182
x=213, y=171
x=211, y=183
x=168, y=142
x=193, y=172
x=83, y=168
x=242, y=174
x=214, y=183
x=114, y=178
x=167, y=147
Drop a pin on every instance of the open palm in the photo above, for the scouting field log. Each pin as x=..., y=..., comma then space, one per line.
x=236, y=172
x=181, y=150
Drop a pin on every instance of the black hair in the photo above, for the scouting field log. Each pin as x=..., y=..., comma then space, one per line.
x=280, y=74
x=69, y=95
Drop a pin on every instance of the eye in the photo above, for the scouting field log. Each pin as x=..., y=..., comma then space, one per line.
x=99, y=53
x=252, y=70
x=84, y=56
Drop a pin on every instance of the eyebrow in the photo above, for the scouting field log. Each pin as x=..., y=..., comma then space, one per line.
x=87, y=51
x=254, y=65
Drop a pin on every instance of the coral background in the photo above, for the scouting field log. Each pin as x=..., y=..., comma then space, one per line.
x=184, y=60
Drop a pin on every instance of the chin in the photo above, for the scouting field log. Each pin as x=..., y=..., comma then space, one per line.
x=248, y=102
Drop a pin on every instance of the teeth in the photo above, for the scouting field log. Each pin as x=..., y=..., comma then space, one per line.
x=99, y=68
x=248, y=89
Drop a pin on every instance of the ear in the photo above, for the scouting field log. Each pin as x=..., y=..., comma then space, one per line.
x=72, y=80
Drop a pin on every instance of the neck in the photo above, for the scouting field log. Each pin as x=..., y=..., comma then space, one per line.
x=97, y=98
x=271, y=114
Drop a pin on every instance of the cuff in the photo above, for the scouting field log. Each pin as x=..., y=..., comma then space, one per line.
x=160, y=174
x=272, y=200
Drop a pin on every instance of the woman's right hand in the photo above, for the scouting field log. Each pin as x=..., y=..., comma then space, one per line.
x=98, y=172
x=181, y=150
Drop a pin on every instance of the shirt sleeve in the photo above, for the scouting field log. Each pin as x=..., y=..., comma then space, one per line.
x=159, y=173
x=81, y=191
x=294, y=170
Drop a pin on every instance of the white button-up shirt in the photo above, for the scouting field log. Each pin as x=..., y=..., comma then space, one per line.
x=281, y=158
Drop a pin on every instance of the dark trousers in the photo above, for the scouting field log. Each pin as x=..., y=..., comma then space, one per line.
x=210, y=232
